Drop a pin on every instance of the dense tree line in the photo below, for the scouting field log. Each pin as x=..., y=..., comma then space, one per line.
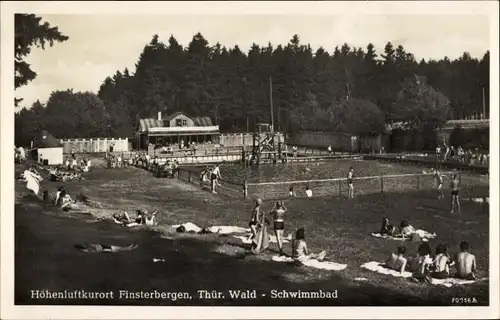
x=355, y=90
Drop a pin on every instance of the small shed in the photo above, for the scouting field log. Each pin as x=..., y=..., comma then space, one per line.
x=49, y=151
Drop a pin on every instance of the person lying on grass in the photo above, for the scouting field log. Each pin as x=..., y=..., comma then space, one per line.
x=299, y=248
x=465, y=263
x=67, y=203
x=387, y=228
x=442, y=263
x=102, y=248
x=142, y=218
x=397, y=261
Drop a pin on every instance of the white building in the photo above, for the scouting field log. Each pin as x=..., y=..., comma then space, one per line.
x=49, y=151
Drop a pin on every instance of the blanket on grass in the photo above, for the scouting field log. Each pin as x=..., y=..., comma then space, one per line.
x=449, y=282
x=313, y=263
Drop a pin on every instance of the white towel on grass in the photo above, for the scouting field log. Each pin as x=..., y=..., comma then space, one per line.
x=191, y=227
x=313, y=263
x=272, y=239
x=449, y=282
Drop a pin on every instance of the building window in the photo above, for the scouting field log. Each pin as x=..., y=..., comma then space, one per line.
x=178, y=122
x=184, y=123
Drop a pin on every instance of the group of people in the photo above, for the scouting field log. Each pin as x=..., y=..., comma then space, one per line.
x=469, y=156
x=349, y=180
x=260, y=240
x=212, y=176
x=143, y=217
x=424, y=266
x=454, y=186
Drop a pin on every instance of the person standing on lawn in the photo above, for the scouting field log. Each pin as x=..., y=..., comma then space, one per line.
x=214, y=177
x=350, y=177
x=455, y=189
x=278, y=213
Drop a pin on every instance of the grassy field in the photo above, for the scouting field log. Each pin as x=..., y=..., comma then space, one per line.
x=46, y=259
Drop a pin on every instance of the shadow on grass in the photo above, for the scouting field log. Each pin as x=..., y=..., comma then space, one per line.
x=46, y=260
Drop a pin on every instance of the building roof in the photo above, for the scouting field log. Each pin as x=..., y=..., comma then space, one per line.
x=145, y=124
x=45, y=140
x=173, y=115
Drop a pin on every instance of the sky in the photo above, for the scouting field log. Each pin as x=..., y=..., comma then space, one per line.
x=99, y=45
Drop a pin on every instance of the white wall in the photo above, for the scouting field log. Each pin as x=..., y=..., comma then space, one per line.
x=54, y=155
x=95, y=145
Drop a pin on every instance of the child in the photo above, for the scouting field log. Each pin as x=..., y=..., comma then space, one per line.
x=397, y=261
x=439, y=182
x=387, y=228
x=466, y=263
x=299, y=248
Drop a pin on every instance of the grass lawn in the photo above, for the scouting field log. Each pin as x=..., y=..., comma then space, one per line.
x=45, y=257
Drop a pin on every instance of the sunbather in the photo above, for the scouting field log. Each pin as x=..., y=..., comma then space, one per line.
x=465, y=263
x=299, y=248
x=91, y=248
x=387, y=228
x=421, y=264
x=397, y=261
x=441, y=264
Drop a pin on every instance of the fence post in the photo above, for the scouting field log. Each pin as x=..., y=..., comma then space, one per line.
x=245, y=190
x=340, y=188
x=189, y=175
x=418, y=182
x=382, y=184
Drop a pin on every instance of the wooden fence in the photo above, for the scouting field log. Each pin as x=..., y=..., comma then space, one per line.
x=95, y=145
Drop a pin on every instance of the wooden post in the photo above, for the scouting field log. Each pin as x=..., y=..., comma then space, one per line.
x=245, y=190
x=418, y=182
x=189, y=175
x=382, y=184
x=340, y=188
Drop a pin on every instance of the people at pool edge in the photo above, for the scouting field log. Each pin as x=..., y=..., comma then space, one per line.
x=299, y=248
x=455, y=189
x=291, y=192
x=214, y=177
x=278, y=213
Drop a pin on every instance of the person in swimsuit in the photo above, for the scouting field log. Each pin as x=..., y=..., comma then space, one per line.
x=256, y=218
x=350, y=177
x=397, y=261
x=465, y=263
x=278, y=213
x=421, y=263
x=407, y=230
x=387, y=228
x=149, y=219
x=299, y=248
x=442, y=263
x=214, y=177
x=439, y=182
x=291, y=192
x=102, y=248
x=455, y=188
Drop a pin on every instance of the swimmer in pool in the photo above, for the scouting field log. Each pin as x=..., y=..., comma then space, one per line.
x=350, y=177
x=465, y=263
x=455, y=189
